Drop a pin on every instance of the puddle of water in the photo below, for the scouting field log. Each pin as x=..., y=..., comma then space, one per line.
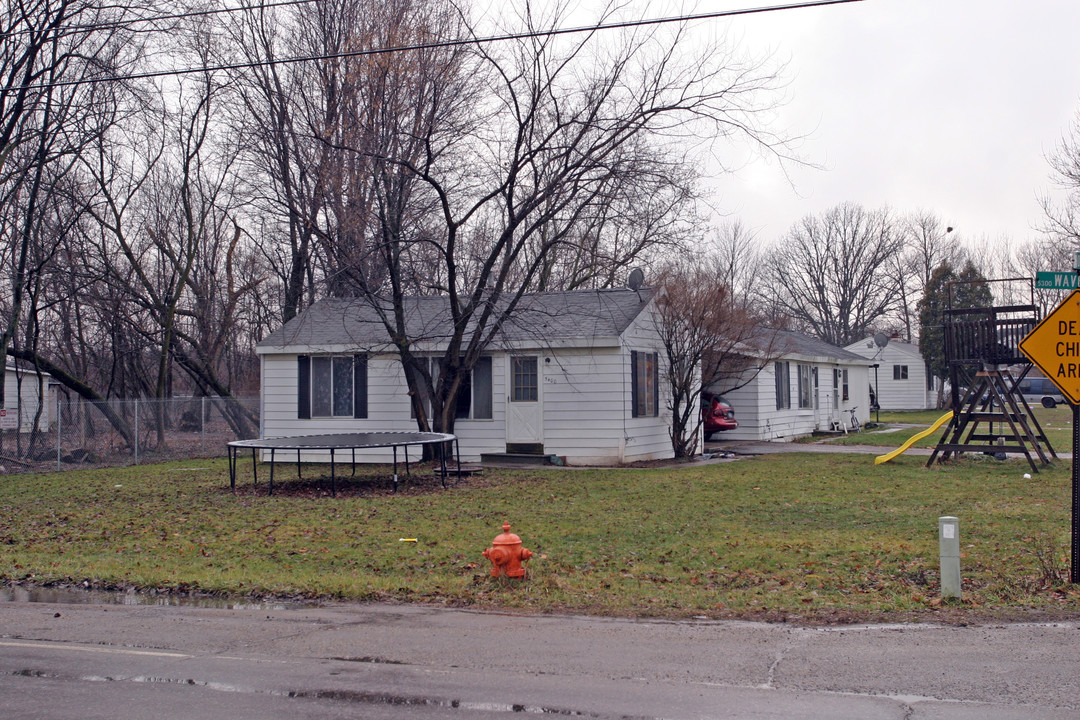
x=76, y=596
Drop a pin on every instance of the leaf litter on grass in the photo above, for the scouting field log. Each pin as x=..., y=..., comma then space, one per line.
x=805, y=534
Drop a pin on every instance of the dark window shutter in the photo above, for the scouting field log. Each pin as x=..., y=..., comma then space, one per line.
x=656, y=384
x=360, y=386
x=303, y=386
x=633, y=383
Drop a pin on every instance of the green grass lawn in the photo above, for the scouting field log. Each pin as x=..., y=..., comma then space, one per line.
x=797, y=534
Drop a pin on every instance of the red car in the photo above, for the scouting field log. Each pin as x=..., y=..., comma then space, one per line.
x=716, y=415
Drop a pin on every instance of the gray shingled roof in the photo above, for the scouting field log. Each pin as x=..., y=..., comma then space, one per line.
x=539, y=317
x=800, y=344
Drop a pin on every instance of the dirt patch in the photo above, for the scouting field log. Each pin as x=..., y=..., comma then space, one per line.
x=421, y=481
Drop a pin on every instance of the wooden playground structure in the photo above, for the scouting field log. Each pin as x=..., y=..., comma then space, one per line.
x=990, y=414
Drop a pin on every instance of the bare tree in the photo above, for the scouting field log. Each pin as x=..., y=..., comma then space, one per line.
x=1062, y=218
x=928, y=243
x=54, y=57
x=833, y=274
x=710, y=337
x=322, y=139
x=564, y=126
x=736, y=257
x=1052, y=252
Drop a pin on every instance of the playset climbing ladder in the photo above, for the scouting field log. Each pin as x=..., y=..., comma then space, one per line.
x=991, y=415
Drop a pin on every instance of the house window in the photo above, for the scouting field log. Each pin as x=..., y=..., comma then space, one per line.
x=330, y=386
x=524, y=378
x=806, y=386
x=899, y=372
x=481, y=390
x=474, y=397
x=783, y=385
x=929, y=378
x=844, y=379
x=645, y=389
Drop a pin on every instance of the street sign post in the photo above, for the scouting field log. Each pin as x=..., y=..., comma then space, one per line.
x=1047, y=280
x=1054, y=346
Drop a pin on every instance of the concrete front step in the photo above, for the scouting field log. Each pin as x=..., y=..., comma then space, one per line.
x=532, y=459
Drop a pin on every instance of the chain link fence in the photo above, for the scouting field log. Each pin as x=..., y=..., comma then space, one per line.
x=72, y=433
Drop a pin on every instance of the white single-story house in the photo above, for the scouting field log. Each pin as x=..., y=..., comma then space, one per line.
x=24, y=391
x=573, y=374
x=902, y=379
x=810, y=385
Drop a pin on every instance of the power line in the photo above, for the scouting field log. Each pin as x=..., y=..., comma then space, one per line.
x=443, y=43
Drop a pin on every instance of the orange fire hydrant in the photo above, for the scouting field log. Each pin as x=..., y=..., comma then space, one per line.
x=506, y=554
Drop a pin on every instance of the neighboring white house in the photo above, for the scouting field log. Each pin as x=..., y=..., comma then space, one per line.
x=24, y=389
x=902, y=379
x=574, y=374
x=809, y=386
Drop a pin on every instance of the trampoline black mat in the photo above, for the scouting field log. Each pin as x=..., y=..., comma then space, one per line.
x=343, y=442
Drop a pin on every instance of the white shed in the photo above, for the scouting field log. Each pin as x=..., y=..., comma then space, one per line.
x=810, y=385
x=902, y=378
x=25, y=391
x=574, y=374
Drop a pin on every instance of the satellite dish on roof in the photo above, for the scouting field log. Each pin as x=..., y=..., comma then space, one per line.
x=636, y=279
x=881, y=339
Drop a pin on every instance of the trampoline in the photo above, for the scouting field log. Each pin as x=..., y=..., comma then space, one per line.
x=341, y=442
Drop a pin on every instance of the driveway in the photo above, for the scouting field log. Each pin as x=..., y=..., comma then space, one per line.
x=757, y=447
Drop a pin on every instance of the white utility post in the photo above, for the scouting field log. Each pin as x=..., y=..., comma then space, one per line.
x=949, y=537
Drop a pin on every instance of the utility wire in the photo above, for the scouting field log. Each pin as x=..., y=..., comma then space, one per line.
x=443, y=43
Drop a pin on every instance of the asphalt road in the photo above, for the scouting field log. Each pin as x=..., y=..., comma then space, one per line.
x=384, y=661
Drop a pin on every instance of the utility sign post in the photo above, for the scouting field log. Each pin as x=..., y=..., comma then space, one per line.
x=1054, y=346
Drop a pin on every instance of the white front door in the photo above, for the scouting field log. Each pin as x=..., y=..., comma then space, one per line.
x=524, y=403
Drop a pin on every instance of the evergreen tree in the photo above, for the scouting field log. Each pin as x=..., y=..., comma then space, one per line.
x=947, y=290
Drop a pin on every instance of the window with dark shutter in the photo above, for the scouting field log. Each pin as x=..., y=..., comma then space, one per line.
x=331, y=386
x=644, y=385
x=782, y=378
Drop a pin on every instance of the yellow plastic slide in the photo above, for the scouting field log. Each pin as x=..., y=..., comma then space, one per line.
x=914, y=439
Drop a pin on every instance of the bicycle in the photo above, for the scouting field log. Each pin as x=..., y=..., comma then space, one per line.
x=854, y=425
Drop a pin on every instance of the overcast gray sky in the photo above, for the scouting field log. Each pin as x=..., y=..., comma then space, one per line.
x=946, y=105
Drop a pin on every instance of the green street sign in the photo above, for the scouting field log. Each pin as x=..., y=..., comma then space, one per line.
x=1047, y=280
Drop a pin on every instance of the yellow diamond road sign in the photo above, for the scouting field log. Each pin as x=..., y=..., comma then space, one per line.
x=1054, y=346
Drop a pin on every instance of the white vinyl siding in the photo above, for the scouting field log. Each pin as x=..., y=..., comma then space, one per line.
x=755, y=403
x=916, y=391
x=388, y=410
x=586, y=403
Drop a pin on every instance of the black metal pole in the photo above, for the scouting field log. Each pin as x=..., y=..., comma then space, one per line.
x=877, y=396
x=1074, y=574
